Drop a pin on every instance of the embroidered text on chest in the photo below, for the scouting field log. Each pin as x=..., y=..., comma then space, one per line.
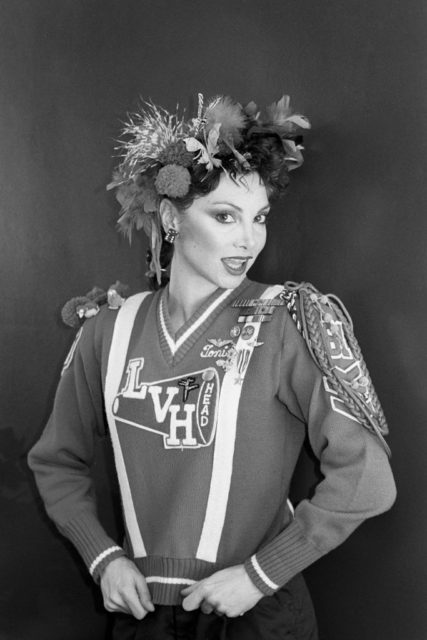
x=183, y=410
x=223, y=350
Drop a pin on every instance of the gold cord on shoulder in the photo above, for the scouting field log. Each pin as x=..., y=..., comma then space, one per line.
x=325, y=321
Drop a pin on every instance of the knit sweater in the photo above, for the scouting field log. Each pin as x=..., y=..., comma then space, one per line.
x=206, y=427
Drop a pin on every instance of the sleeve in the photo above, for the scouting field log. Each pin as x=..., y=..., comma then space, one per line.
x=357, y=480
x=62, y=458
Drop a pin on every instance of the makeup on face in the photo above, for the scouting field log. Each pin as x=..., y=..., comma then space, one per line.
x=221, y=234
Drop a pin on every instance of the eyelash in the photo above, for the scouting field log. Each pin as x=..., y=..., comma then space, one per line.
x=220, y=217
x=264, y=217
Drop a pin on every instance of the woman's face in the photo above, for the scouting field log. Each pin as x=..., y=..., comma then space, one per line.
x=221, y=234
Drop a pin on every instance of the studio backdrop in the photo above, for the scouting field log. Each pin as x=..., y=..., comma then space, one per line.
x=354, y=223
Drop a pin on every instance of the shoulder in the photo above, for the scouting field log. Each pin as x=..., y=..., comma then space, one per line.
x=99, y=307
x=323, y=321
x=94, y=315
x=310, y=308
x=327, y=328
x=79, y=308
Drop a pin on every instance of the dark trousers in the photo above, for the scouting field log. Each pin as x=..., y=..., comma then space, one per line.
x=286, y=615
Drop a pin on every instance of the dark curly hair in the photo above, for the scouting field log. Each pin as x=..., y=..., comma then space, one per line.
x=264, y=152
x=167, y=156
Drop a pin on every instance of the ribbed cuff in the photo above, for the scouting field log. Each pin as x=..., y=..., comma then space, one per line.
x=92, y=542
x=285, y=556
x=104, y=558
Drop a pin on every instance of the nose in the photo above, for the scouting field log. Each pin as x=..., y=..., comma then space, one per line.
x=245, y=239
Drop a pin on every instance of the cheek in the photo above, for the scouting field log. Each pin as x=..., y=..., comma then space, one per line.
x=262, y=239
x=200, y=241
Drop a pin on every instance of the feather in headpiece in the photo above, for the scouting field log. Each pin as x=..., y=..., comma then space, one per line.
x=229, y=115
x=150, y=132
x=139, y=200
x=280, y=114
x=161, y=151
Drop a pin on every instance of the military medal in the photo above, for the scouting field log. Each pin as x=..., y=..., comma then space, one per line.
x=257, y=309
x=248, y=332
x=255, y=318
x=235, y=331
x=258, y=302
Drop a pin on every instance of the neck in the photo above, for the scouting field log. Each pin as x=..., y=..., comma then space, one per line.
x=185, y=297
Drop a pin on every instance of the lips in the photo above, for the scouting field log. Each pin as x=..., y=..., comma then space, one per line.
x=235, y=265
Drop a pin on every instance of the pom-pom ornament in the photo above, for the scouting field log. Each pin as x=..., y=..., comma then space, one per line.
x=69, y=311
x=173, y=181
x=77, y=309
x=176, y=153
x=98, y=295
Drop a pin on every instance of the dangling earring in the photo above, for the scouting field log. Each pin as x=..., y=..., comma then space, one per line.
x=171, y=235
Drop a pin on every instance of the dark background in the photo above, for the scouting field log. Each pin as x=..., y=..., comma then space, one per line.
x=353, y=223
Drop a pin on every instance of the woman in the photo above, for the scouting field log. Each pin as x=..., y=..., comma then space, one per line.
x=209, y=386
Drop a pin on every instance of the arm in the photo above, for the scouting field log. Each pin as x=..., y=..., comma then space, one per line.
x=357, y=480
x=61, y=462
x=61, y=459
x=357, y=484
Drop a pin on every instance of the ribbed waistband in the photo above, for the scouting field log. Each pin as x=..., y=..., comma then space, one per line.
x=166, y=577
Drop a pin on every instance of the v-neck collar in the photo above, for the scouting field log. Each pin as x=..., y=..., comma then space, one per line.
x=175, y=346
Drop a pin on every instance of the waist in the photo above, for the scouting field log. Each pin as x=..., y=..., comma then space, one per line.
x=166, y=577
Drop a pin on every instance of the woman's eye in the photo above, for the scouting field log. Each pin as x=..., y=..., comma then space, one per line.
x=224, y=217
x=261, y=218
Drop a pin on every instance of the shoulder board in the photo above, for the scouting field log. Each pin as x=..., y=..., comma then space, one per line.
x=327, y=329
x=76, y=310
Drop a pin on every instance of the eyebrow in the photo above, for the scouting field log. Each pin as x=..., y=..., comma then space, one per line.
x=234, y=206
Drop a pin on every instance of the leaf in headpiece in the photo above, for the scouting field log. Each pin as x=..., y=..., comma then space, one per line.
x=192, y=144
x=206, y=154
x=294, y=157
x=212, y=146
x=212, y=141
x=195, y=146
x=300, y=121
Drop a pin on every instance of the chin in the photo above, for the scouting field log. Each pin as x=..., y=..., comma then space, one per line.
x=230, y=282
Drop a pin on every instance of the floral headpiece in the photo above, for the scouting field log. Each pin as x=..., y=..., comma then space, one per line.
x=161, y=151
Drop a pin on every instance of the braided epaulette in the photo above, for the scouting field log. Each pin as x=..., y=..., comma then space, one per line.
x=327, y=328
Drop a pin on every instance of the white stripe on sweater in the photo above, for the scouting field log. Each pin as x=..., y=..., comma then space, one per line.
x=222, y=467
x=116, y=363
x=71, y=352
x=174, y=346
x=168, y=337
x=101, y=557
x=164, y=580
x=264, y=577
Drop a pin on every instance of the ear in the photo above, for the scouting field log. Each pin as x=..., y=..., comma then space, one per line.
x=168, y=215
